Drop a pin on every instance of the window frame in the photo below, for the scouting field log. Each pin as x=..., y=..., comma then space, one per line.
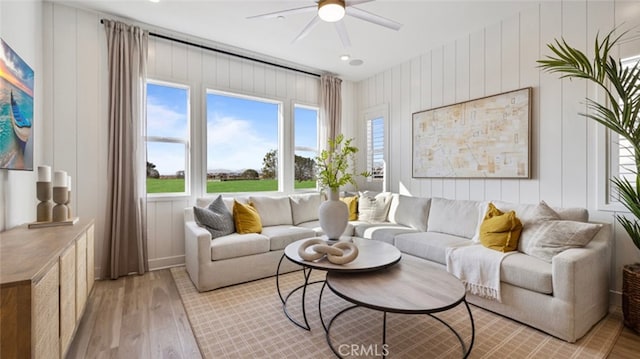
x=174, y=140
x=370, y=114
x=294, y=148
x=281, y=135
x=607, y=142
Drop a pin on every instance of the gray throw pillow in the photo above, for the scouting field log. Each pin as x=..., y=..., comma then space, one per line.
x=216, y=218
x=546, y=239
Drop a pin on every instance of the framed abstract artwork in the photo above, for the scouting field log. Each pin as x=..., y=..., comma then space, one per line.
x=487, y=137
x=16, y=111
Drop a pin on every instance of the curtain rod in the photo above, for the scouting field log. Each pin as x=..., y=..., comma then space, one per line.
x=184, y=42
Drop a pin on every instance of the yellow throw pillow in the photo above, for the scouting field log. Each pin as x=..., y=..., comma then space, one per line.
x=500, y=231
x=246, y=218
x=352, y=204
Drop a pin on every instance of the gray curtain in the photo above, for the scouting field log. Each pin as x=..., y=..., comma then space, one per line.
x=126, y=242
x=330, y=108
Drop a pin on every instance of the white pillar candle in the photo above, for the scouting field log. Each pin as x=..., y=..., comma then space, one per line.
x=69, y=183
x=59, y=179
x=44, y=174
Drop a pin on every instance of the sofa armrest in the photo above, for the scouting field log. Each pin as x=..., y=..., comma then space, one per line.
x=581, y=275
x=197, y=248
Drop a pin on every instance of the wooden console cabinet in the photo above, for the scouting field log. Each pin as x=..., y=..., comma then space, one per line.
x=46, y=275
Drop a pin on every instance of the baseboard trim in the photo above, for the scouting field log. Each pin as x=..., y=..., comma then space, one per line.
x=166, y=262
x=615, y=298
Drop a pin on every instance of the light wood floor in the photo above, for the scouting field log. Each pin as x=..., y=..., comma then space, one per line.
x=143, y=317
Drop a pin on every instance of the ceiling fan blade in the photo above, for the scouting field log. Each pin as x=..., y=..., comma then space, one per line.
x=358, y=2
x=307, y=29
x=342, y=32
x=373, y=18
x=275, y=14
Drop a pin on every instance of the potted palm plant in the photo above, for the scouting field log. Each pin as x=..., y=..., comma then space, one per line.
x=619, y=113
x=336, y=167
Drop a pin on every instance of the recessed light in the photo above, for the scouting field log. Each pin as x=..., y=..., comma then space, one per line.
x=155, y=1
x=356, y=62
x=280, y=17
x=345, y=57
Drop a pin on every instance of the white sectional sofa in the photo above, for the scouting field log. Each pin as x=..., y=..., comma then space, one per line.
x=564, y=297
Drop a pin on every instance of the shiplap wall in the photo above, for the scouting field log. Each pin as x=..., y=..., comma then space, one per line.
x=498, y=58
x=76, y=104
x=21, y=29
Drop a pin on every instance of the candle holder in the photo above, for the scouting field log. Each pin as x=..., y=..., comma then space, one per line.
x=67, y=204
x=61, y=198
x=45, y=207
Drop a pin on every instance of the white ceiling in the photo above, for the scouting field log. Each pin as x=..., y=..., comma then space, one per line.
x=426, y=24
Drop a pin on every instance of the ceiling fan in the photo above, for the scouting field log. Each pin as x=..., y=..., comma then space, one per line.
x=333, y=11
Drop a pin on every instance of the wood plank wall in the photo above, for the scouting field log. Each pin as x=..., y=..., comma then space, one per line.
x=499, y=57
x=76, y=84
x=502, y=57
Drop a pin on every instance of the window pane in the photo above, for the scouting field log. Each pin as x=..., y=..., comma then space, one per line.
x=306, y=146
x=167, y=111
x=375, y=147
x=624, y=165
x=242, y=144
x=165, y=167
x=167, y=137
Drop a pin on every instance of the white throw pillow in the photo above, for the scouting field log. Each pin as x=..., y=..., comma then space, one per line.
x=273, y=211
x=410, y=211
x=373, y=209
x=546, y=239
x=304, y=208
x=456, y=217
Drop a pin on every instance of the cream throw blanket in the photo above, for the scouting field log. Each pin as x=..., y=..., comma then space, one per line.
x=478, y=268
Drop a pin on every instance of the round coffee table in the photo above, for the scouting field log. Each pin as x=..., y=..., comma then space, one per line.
x=413, y=286
x=373, y=255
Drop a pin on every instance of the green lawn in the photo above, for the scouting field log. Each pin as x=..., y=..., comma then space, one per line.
x=177, y=185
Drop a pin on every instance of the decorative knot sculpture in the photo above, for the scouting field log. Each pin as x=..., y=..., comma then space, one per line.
x=337, y=253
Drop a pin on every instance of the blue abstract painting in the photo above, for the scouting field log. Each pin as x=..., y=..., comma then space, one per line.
x=16, y=111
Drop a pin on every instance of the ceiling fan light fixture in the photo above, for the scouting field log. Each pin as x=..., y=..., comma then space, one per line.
x=331, y=10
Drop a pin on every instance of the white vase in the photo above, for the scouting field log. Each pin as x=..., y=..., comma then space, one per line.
x=333, y=215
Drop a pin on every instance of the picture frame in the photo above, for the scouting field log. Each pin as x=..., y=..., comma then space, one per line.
x=16, y=111
x=488, y=137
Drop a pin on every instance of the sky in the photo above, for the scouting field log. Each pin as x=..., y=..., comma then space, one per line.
x=240, y=130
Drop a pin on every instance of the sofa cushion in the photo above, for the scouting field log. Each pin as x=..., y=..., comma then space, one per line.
x=373, y=209
x=429, y=245
x=246, y=218
x=272, y=210
x=410, y=211
x=304, y=208
x=527, y=272
x=456, y=217
x=352, y=205
x=573, y=214
x=500, y=231
x=529, y=213
x=385, y=232
x=545, y=239
x=238, y=245
x=315, y=226
x=280, y=236
x=228, y=201
x=216, y=218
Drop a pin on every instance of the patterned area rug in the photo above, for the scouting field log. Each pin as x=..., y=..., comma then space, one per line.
x=247, y=321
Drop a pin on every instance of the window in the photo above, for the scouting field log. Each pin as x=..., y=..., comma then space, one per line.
x=375, y=148
x=167, y=137
x=242, y=143
x=306, y=146
x=623, y=163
